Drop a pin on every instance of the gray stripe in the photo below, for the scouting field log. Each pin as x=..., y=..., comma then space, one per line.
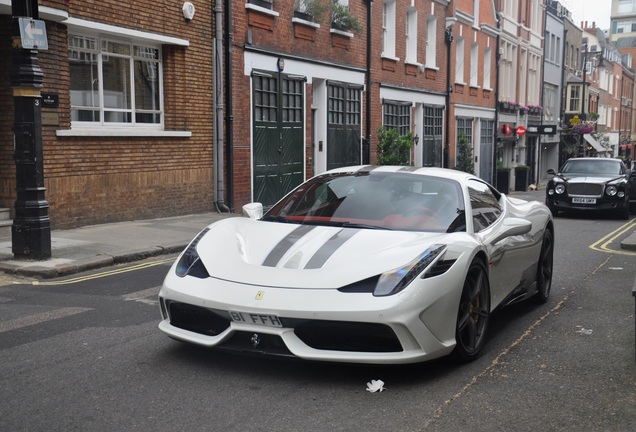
x=329, y=248
x=285, y=244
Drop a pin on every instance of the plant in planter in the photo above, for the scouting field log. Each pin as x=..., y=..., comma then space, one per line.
x=393, y=148
x=342, y=19
x=465, y=154
x=503, y=177
x=311, y=10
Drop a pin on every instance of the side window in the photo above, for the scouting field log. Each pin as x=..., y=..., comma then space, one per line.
x=485, y=204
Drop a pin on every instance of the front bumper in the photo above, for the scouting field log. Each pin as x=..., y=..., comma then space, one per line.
x=317, y=324
x=564, y=203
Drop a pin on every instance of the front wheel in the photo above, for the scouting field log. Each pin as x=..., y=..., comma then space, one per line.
x=474, y=313
x=624, y=213
x=544, y=268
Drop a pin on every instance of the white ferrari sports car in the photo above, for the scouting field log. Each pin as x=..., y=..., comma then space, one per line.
x=365, y=264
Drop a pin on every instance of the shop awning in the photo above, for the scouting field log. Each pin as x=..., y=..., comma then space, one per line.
x=590, y=139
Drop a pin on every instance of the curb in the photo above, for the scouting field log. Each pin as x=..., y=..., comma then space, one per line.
x=37, y=270
x=629, y=243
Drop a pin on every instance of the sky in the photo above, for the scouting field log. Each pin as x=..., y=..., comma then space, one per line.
x=597, y=11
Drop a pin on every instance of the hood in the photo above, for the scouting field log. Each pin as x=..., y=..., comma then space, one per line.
x=290, y=255
x=599, y=179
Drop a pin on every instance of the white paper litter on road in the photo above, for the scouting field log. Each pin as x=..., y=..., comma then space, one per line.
x=375, y=386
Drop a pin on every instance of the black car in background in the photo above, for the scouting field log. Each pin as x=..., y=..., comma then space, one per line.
x=589, y=183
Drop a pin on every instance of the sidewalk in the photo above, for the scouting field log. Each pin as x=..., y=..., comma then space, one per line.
x=96, y=246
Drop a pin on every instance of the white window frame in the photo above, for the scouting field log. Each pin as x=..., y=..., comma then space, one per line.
x=459, y=61
x=411, y=35
x=476, y=13
x=87, y=28
x=487, y=68
x=102, y=56
x=550, y=102
x=388, y=28
x=626, y=7
x=431, y=42
x=474, y=64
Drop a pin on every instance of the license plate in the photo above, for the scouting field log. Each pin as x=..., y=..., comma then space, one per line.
x=583, y=200
x=257, y=319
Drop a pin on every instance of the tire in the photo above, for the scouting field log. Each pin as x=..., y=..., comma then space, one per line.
x=624, y=213
x=553, y=210
x=474, y=314
x=544, y=268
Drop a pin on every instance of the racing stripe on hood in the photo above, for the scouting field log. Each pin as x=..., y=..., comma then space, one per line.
x=329, y=248
x=285, y=244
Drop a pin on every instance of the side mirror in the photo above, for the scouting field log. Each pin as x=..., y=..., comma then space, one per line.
x=253, y=210
x=551, y=172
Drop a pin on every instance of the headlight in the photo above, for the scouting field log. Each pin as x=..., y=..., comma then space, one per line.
x=560, y=188
x=611, y=190
x=189, y=262
x=394, y=281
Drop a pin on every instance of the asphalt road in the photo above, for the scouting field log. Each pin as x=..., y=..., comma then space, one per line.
x=85, y=354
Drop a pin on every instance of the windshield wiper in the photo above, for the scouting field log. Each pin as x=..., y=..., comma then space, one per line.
x=345, y=224
x=275, y=218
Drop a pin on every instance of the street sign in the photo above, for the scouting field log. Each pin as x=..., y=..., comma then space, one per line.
x=521, y=131
x=548, y=129
x=33, y=34
x=542, y=129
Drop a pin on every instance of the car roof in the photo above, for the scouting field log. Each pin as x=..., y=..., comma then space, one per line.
x=431, y=171
x=594, y=159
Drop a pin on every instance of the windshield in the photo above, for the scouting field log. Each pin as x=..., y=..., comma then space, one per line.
x=592, y=167
x=375, y=199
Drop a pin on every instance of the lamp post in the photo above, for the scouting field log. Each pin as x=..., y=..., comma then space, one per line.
x=31, y=230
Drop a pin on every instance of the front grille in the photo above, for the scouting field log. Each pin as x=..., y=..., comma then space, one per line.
x=197, y=319
x=587, y=189
x=348, y=336
x=321, y=335
x=261, y=343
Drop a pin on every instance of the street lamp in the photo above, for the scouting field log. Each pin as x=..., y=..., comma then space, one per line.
x=31, y=229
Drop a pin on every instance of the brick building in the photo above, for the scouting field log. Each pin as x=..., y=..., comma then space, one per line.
x=473, y=71
x=129, y=134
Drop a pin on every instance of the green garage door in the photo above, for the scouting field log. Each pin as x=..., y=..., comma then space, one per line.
x=343, y=124
x=278, y=156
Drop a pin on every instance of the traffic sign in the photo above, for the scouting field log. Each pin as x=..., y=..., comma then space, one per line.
x=33, y=34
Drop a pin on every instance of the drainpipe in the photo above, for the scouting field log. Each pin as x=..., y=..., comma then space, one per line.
x=497, y=59
x=449, y=40
x=535, y=177
x=563, y=99
x=217, y=78
x=229, y=107
x=366, y=142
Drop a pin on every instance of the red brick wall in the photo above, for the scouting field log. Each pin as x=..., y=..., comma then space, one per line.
x=280, y=34
x=106, y=179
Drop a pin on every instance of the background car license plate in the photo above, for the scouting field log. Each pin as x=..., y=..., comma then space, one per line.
x=254, y=318
x=583, y=200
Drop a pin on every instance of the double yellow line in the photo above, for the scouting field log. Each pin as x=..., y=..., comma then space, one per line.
x=106, y=273
x=602, y=244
